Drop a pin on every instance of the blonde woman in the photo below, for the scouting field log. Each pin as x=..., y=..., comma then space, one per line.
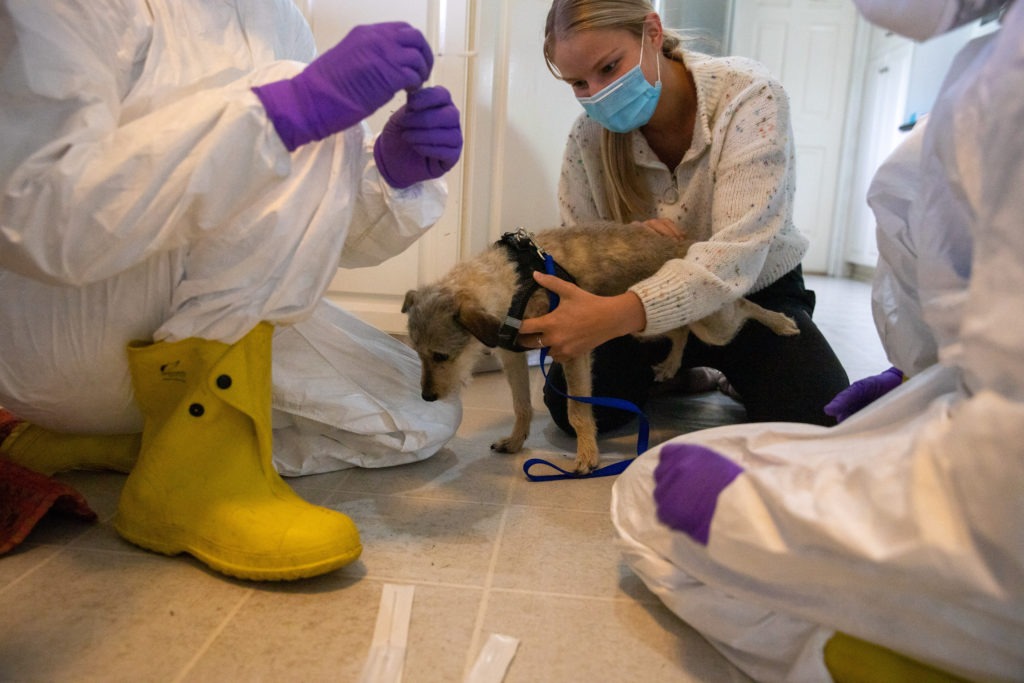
x=685, y=144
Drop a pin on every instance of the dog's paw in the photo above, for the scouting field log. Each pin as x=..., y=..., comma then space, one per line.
x=587, y=454
x=585, y=462
x=667, y=369
x=583, y=468
x=784, y=325
x=507, y=445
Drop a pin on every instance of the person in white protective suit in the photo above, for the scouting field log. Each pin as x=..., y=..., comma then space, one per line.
x=890, y=546
x=182, y=179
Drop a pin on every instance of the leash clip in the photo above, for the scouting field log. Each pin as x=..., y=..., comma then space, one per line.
x=522, y=239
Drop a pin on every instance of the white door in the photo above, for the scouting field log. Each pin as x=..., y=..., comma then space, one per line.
x=808, y=45
x=376, y=294
x=882, y=111
x=520, y=120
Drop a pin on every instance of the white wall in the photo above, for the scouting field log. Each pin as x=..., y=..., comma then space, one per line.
x=932, y=60
x=705, y=23
x=519, y=117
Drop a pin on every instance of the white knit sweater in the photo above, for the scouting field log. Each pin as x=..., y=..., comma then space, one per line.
x=733, y=192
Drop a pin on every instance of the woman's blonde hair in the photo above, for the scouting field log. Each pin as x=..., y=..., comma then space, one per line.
x=628, y=198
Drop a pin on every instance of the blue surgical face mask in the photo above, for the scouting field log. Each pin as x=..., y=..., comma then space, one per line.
x=626, y=103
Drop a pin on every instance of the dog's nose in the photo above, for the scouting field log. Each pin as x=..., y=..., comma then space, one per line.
x=429, y=395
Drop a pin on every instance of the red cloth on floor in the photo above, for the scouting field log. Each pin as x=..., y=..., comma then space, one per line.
x=25, y=496
x=7, y=424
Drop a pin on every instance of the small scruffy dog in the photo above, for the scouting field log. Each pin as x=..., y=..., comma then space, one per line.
x=451, y=321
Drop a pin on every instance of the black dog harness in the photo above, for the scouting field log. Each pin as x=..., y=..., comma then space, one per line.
x=529, y=257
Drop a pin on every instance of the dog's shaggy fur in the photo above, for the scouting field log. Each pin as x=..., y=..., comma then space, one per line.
x=451, y=322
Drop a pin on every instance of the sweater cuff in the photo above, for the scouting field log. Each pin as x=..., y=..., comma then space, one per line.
x=664, y=307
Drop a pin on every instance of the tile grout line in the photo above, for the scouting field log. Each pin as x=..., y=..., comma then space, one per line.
x=409, y=496
x=474, y=641
x=624, y=597
x=213, y=636
x=402, y=580
x=33, y=569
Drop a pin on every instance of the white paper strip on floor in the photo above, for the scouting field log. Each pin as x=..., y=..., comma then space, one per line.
x=493, y=661
x=390, y=636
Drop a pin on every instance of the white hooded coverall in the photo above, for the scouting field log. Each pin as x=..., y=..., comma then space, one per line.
x=147, y=196
x=904, y=525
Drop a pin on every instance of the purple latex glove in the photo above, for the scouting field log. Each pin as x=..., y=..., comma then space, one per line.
x=347, y=83
x=420, y=141
x=862, y=392
x=687, y=483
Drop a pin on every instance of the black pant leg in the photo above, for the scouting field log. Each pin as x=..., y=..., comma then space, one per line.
x=787, y=379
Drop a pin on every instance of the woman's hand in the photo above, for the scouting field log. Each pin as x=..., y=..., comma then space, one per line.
x=581, y=321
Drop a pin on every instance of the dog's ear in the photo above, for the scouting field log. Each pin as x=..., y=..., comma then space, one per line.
x=479, y=323
x=410, y=300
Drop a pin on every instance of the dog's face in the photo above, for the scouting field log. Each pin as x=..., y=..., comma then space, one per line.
x=439, y=329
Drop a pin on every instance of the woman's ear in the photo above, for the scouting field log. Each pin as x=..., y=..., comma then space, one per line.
x=654, y=30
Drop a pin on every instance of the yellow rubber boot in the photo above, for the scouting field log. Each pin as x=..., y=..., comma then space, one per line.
x=205, y=483
x=50, y=452
x=852, y=660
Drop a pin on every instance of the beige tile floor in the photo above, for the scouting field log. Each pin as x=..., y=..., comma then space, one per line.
x=487, y=552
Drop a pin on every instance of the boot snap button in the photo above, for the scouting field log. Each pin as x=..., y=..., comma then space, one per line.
x=224, y=381
x=196, y=410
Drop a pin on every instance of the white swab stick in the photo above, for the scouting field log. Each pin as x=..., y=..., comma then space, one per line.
x=494, y=659
x=390, y=636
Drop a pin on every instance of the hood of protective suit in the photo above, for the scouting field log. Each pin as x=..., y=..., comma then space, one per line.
x=924, y=19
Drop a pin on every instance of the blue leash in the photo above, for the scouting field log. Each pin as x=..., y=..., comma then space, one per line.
x=621, y=404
